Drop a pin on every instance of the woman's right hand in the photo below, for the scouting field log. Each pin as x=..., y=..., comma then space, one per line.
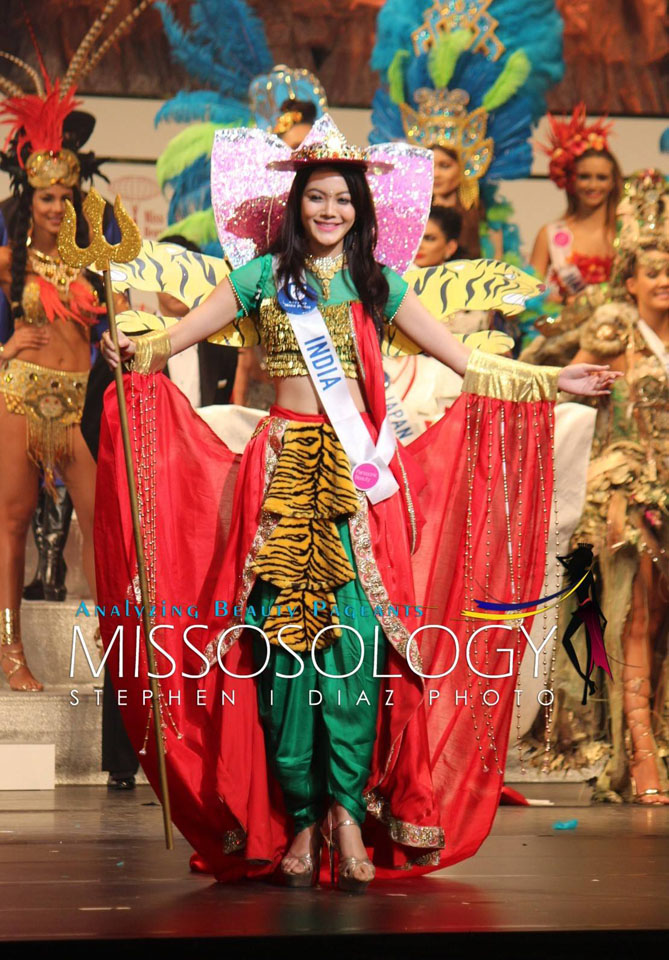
x=25, y=337
x=126, y=346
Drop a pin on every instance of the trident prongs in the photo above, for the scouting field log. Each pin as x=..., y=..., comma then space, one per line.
x=99, y=251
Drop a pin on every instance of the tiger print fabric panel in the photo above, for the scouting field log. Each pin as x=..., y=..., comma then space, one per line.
x=313, y=475
x=304, y=556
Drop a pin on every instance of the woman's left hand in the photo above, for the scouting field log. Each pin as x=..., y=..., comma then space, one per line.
x=587, y=379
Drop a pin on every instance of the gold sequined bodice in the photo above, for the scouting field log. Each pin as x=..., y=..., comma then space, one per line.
x=283, y=353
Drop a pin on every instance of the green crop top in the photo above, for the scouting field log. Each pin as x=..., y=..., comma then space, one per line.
x=256, y=295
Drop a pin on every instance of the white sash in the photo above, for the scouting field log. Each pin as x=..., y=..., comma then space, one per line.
x=655, y=345
x=369, y=462
x=560, y=245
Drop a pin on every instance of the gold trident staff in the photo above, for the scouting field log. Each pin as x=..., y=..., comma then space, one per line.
x=102, y=254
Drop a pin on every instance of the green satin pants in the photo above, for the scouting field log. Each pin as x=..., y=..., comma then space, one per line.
x=320, y=731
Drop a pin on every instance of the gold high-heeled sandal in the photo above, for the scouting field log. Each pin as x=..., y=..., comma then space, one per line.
x=10, y=636
x=307, y=877
x=347, y=865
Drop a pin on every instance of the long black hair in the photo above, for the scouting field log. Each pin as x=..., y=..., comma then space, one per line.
x=292, y=246
x=19, y=218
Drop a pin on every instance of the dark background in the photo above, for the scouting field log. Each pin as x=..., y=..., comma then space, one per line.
x=616, y=51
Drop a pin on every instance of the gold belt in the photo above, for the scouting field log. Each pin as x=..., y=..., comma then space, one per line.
x=52, y=402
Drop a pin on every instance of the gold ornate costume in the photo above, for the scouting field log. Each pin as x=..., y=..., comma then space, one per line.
x=52, y=401
x=626, y=516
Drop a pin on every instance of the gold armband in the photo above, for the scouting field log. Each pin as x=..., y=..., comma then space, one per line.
x=501, y=378
x=152, y=351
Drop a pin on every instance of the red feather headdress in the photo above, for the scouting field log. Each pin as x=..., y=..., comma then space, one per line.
x=569, y=139
x=34, y=149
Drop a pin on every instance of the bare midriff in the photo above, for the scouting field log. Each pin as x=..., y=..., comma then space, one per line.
x=68, y=348
x=300, y=395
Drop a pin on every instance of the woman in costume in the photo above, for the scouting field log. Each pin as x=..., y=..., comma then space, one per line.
x=45, y=362
x=577, y=250
x=625, y=516
x=280, y=99
x=314, y=548
x=440, y=238
x=46, y=359
x=448, y=180
x=469, y=83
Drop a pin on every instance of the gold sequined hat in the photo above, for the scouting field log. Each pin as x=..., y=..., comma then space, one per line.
x=270, y=92
x=643, y=212
x=456, y=86
x=325, y=144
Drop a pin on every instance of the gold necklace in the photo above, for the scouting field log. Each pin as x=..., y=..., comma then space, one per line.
x=52, y=269
x=324, y=268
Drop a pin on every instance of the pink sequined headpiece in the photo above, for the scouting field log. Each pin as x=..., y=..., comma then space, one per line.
x=252, y=173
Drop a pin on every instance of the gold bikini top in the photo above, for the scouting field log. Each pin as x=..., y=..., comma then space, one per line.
x=52, y=269
x=283, y=353
x=33, y=310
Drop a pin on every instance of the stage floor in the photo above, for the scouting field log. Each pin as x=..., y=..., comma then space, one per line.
x=81, y=864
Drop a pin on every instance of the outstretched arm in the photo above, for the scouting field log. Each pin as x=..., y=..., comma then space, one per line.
x=219, y=309
x=434, y=338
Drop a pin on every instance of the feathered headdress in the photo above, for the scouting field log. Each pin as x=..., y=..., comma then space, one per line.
x=468, y=76
x=225, y=47
x=569, y=139
x=34, y=150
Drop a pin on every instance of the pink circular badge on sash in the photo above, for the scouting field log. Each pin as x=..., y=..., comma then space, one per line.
x=561, y=238
x=366, y=475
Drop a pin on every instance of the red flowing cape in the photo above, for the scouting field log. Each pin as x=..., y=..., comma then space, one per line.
x=473, y=504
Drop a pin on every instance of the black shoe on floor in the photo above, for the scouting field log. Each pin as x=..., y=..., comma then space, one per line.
x=121, y=783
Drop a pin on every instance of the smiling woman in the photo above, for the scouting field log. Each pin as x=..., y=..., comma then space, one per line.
x=45, y=362
x=43, y=373
x=330, y=513
x=627, y=502
x=577, y=250
x=327, y=212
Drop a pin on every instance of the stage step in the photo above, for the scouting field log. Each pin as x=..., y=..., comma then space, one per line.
x=49, y=718
x=47, y=630
x=52, y=716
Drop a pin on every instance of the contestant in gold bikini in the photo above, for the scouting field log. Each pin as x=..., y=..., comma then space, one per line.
x=45, y=362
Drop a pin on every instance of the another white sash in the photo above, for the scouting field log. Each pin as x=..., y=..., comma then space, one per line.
x=655, y=345
x=369, y=462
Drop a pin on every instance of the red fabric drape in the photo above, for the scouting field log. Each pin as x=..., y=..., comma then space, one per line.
x=428, y=766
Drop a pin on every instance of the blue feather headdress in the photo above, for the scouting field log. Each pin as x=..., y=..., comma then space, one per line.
x=471, y=79
x=225, y=46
